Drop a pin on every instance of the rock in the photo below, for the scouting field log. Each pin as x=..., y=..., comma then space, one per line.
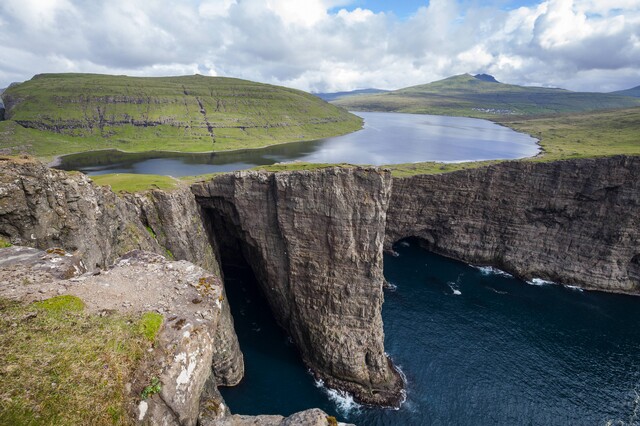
x=312, y=417
x=314, y=240
x=183, y=353
x=43, y=208
x=574, y=222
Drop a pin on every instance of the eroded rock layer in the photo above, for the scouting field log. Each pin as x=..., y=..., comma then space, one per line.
x=314, y=240
x=575, y=222
x=44, y=208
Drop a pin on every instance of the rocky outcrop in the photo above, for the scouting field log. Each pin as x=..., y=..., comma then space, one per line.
x=43, y=208
x=314, y=240
x=190, y=299
x=575, y=222
x=312, y=417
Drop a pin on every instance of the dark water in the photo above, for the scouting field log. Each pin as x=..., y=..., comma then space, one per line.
x=477, y=347
x=387, y=138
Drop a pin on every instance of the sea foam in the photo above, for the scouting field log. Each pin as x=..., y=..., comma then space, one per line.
x=490, y=270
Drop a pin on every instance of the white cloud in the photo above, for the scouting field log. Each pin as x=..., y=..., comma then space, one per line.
x=578, y=44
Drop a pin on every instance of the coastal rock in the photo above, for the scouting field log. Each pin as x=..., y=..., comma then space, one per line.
x=312, y=417
x=314, y=240
x=575, y=222
x=140, y=282
x=43, y=208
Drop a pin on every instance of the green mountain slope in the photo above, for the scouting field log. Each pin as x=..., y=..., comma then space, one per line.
x=634, y=92
x=476, y=97
x=60, y=113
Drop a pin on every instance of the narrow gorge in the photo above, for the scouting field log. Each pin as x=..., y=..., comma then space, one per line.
x=315, y=241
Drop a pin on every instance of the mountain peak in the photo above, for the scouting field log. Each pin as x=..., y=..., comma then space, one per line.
x=486, y=77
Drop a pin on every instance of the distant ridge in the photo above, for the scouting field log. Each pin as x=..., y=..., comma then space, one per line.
x=339, y=95
x=486, y=77
x=483, y=96
x=633, y=92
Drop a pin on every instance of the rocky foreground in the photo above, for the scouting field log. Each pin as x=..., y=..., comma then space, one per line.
x=314, y=239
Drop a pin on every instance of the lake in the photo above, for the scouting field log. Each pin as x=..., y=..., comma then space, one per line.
x=387, y=138
x=477, y=346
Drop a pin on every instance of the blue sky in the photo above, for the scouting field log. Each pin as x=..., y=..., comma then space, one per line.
x=329, y=45
x=405, y=8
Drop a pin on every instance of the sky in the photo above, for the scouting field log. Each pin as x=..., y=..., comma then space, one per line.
x=329, y=45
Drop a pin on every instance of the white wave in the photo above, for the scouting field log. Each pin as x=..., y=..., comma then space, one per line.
x=343, y=400
x=574, y=288
x=540, y=281
x=497, y=291
x=404, y=244
x=490, y=270
x=390, y=286
x=454, y=288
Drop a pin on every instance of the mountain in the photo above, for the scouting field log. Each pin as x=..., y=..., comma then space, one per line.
x=633, y=92
x=56, y=113
x=339, y=95
x=486, y=77
x=483, y=96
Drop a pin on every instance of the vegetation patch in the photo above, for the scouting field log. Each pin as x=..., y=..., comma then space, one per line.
x=60, y=365
x=152, y=389
x=150, y=324
x=129, y=182
x=4, y=242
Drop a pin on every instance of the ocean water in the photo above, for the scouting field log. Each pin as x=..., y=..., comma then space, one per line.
x=477, y=346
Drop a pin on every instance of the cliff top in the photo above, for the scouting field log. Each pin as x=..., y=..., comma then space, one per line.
x=54, y=114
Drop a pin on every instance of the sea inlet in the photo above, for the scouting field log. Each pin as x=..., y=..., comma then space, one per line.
x=477, y=347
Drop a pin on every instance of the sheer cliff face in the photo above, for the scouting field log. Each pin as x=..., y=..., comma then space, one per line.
x=576, y=222
x=314, y=240
x=43, y=208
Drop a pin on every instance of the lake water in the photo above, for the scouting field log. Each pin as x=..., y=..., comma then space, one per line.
x=478, y=347
x=387, y=138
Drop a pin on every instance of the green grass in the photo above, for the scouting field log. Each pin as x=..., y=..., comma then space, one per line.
x=55, y=114
x=464, y=95
x=60, y=365
x=129, y=182
x=150, y=325
x=4, y=242
x=594, y=134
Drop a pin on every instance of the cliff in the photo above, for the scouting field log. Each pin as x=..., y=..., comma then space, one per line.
x=43, y=208
x=575, y=222
x=314, y=241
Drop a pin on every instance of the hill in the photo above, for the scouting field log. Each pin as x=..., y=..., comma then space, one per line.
x=60, y=113
x=471, y=96
x=634, y=92
x=339, y=95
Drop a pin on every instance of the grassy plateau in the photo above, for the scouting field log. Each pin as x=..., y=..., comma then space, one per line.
x=54, y=114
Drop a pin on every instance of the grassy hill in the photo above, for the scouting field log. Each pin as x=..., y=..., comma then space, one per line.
x=466, y=95
x=634, y=92
x=60, y=113
x=339, y=95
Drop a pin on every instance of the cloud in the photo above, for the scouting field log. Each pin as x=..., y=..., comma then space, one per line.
x=326, y=45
